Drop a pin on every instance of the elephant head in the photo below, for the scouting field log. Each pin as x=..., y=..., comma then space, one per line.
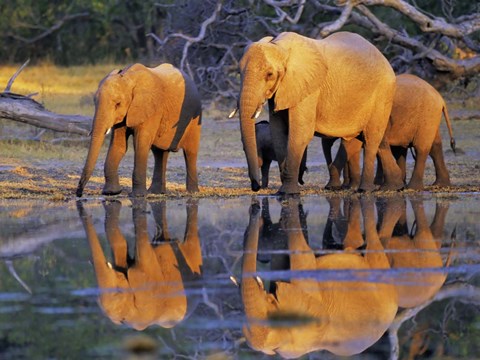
x=125, y=97
x=148, y=289
x=274, y=68
x=416, y=254
x=312, y=313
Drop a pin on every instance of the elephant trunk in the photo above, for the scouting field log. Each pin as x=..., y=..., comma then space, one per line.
x=248, y=109
x=96, y=141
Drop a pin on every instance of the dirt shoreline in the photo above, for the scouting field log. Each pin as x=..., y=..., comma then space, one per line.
x=222, y=169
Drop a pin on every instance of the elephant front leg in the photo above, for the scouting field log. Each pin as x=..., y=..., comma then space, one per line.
x=265, y=168
x=301, y=125
x=142, y=145
x=392, y=174
x=116, y=152
x=159, y=181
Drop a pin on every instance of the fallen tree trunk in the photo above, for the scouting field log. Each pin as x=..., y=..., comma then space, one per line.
x=26, y=110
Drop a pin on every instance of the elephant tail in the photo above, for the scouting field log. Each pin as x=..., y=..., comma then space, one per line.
x=449, y=126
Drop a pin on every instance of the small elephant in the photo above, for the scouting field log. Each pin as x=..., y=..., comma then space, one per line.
x=161, y=108
x=340, y=86
x=414, y=123
x=266, y=153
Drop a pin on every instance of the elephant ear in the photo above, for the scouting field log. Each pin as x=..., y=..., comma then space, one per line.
x=305, y=69
x=144, y=96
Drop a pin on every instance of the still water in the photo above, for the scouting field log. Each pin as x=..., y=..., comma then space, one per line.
x=318, y=277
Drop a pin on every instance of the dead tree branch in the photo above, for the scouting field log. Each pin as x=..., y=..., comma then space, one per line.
x=24, y=109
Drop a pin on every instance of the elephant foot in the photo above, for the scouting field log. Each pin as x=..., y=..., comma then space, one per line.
x=287, y=189
x=111, y=190
x=365, y=188
x=192, y=189
x=415, y=185
x=157, y=190
x=333, y=187
x=442, y=183
x=136, y=193
x=255, y=185
x=392, y=186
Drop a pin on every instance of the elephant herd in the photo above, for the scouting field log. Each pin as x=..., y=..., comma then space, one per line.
x=338, y=288
x=340, y=87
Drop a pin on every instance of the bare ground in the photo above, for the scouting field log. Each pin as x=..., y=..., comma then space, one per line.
x=32, y=174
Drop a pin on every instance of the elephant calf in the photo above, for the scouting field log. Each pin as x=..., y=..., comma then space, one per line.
x=161, y=108
x=414, y=123
x=266, y=153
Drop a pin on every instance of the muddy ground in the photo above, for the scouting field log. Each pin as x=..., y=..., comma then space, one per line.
x=44, y=171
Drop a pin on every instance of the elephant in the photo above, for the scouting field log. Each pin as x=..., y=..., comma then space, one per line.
x=310, y=314
x=161, y=108
x=414, y=123
x=419, y=249
x=337, y=87
x=148, y=289
x=266, y=153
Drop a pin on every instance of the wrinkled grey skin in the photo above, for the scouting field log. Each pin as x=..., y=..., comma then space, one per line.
x=266, y=153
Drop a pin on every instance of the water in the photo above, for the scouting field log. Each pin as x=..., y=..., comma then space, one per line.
x=364, y=277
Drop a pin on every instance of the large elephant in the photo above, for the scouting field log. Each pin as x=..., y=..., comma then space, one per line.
x=161, y=108
x=340, y=87
x=414, y=123
x=310, y=314
x=147, y=289
x=418, y=252
x=266, y=153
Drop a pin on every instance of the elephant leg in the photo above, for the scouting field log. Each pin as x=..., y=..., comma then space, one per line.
x=142, y=146
x=191, y=168
x=327, y=144
x=336, y=167
x=436, y=153
x=116, y=152
x=400, y=155
x=392, y=174
x=379, y=174
x=416, y=181
x=438, y=223
x=279, y=133
x=353, y=148
x=159, y=211
x=159, y=180
x=190, y=153
x=298, y=140
x=303, y=168
x=265, y=170
x=353, y=236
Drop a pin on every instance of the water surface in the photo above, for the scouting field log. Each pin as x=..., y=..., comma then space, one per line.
x=316, y=277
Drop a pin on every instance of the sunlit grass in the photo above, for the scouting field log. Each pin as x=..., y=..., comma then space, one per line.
x=66, y=90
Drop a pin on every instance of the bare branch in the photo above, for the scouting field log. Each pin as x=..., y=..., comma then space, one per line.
x=12, y=79
x=337, y=24
x=429, y=24
x=282, y=14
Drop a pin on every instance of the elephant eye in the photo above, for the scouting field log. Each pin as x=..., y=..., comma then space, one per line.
x=269, y=75
x=117, y=105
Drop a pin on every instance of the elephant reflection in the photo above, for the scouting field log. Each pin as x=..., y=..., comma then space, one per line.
x=148, y=288
x=344, y=318
x=418, y=252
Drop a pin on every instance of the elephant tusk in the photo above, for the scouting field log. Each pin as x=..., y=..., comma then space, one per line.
x=234, y=280
x=257, y=113
x=109, y=265
x=232, y=114
x=259, y=281
x=108, y=131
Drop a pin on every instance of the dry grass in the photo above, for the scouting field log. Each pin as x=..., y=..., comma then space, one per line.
x=41, y=170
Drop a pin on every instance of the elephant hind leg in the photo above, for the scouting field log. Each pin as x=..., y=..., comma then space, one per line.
x=441, y=172
x=265, y=167
x=416, y=181
x=191, y=165
x=159, y=181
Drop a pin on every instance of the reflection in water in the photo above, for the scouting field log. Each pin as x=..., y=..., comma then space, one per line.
x=147, y=289
x=311, y=313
